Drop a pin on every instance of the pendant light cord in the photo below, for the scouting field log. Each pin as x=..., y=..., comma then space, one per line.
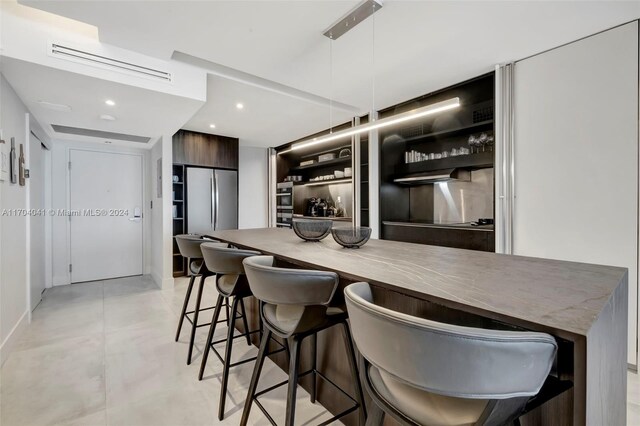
x=373, y=62
x=331, y=85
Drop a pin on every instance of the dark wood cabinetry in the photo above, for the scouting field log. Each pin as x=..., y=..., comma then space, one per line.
x=195, y=149
x=312, y=176
x=202, y=149
x=440, y=148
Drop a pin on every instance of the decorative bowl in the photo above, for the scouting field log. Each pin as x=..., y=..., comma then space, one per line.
x=311, y=229
x=351, y=237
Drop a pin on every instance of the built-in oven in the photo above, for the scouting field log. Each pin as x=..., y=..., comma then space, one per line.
x=284, y=204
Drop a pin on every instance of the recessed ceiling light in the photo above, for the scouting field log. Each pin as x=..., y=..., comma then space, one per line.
x=239, y=105
x=107, y=117
x=109, y=102
x=54, y=106
x=213, y=126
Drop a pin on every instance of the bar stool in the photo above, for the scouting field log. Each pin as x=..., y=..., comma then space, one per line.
x=231, y=282
x=295, y=305
x=423, y=372
x=189, y=246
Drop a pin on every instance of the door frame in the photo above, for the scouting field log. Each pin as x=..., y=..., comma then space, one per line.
x=143, y=180
x=33, y=127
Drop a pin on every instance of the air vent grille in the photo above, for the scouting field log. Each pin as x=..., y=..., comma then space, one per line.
x=99, y=134
x=89, y=58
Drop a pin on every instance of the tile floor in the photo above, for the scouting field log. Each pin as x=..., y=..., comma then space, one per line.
x=103, y=353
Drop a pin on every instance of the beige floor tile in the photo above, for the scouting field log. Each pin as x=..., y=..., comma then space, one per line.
x=98, y=418
x=54, y=383
x=135, y=310
x=54, y=322
x=129, y=286
x=74, y=293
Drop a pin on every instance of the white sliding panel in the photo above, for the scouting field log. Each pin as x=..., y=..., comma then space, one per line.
x=576, y=156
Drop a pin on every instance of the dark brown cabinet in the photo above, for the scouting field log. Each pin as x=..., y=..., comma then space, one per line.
x=202, y=149
x=195, y=149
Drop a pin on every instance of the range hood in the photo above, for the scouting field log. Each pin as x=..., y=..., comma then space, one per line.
x=434, y=176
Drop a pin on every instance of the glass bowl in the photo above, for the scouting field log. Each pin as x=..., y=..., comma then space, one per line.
x=351, y=237
x=311, y=229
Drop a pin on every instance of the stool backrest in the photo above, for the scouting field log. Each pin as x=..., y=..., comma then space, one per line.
x=189, y=245
x=283, y=286
x=448, y=359
x=223, y=260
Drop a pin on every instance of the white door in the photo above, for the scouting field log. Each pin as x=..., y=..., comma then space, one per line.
x=105, y=195
x=36, y=222
x=576, y=155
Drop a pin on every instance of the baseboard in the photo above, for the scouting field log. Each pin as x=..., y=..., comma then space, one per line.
x=14, y=334
x=162, y=283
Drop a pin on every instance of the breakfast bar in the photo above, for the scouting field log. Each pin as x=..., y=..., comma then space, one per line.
x=583, y=306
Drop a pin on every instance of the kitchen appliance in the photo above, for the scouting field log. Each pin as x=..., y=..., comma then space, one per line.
x=311, y=208
x=322, y=208
x=212, y=200
x=284, y=204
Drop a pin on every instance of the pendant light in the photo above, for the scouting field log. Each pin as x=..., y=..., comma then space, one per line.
x=351, y=19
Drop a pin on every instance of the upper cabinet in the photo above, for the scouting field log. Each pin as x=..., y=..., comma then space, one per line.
x=202, y=149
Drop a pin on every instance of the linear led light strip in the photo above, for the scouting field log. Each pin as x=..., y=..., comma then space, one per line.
x=385, y=122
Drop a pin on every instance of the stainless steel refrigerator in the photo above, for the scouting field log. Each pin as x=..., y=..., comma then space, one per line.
x=212, y=200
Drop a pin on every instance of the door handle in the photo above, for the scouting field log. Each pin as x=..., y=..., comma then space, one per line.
x=213, y=200
x=215, y=188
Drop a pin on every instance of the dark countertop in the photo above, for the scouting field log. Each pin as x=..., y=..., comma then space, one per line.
x=564, y=298
x=334, y=218
x=424, y=224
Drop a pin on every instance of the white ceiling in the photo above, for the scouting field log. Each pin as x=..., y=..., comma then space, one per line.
x=420, y=46
x=138, y=112
x=267, y=119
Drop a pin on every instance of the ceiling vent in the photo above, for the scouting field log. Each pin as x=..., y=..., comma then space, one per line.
x=99, y=134
x=88, y=58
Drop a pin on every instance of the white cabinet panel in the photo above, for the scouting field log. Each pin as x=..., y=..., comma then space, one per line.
x=576, y=155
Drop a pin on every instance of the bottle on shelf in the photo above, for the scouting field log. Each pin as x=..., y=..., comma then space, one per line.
x=340, y=211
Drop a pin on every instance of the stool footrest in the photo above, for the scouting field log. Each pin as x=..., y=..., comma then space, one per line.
x=322, y=376
x=215, y=351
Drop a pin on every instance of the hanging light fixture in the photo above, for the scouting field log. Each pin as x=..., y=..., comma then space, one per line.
x=354, y=17
x=385, y=122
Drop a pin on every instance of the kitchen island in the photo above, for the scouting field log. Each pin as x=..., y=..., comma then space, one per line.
x=584, y=306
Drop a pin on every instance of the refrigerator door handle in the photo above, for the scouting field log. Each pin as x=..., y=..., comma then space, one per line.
x=213, y=200
x=215, y=188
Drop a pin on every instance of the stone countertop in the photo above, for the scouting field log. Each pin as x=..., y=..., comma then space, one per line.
x=564, y=298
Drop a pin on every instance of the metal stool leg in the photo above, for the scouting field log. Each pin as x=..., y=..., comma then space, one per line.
x=212, y=330
x=244, y=322
x=194, y=326
x=257, y=369
x=187, y=296
x=354, y=372
x=314, y=356
x=227, y=357
x=294, y=369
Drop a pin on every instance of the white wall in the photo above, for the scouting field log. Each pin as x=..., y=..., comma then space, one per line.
x=13, y=229
x=576, y=156
x=59, y=200
x=253, y=188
